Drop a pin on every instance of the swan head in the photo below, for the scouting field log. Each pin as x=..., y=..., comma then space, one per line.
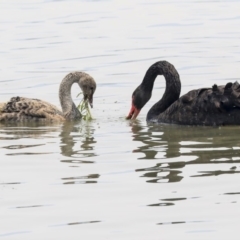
x=88, y=86
x=139, y=98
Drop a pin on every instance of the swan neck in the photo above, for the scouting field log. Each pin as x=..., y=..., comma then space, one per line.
x=69, y=108
x=172, y=90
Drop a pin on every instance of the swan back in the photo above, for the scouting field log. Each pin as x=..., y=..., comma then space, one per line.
x=219, y=105
x=24, y=109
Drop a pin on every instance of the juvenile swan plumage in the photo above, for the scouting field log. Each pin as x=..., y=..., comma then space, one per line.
x=22, y=109
x=219, y=105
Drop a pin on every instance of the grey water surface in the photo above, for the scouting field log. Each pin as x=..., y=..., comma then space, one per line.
x=111, y=178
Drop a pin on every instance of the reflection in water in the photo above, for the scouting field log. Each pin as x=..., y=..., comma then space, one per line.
x=146, y=138
x=22, y=146
x=164, y=204
x=91, y=178
x=20, y=136
x=214, y=173
x=71, y=134
x=167, y=202
x=174, y=147
x=15, y=131
x=76, y=142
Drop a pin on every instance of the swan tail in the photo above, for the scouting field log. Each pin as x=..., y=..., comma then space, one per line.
x=225, y=98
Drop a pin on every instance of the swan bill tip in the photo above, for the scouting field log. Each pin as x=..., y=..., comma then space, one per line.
x=133, y=113
x=128, y=117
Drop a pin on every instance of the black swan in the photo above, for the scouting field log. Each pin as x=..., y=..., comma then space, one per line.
x=20, y=109
x=219, y=105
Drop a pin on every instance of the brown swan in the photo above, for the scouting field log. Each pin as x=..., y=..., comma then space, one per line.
x=22, y=109
x=219, y=105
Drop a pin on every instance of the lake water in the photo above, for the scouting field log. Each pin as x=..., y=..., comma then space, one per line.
x=111, y=178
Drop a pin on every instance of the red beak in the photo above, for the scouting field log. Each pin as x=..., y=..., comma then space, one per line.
x=133, y=113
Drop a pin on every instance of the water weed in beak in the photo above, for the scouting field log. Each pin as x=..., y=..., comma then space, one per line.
x=84, y=109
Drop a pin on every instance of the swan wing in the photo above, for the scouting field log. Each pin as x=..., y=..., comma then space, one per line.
x=219, y=105
x=21, y=109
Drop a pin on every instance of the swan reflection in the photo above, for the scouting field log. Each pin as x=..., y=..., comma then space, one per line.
x=77, y=141
x=91, y=178
x=173, y=148
x=76, y=146
x=76, y=138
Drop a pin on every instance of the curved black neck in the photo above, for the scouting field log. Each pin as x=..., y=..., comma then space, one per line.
x=173, y=86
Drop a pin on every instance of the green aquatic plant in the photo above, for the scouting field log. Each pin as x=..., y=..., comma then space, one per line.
x=84, y=109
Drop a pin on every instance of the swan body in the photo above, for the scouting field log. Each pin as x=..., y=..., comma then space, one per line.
x=215, y=106
x=20, y=109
